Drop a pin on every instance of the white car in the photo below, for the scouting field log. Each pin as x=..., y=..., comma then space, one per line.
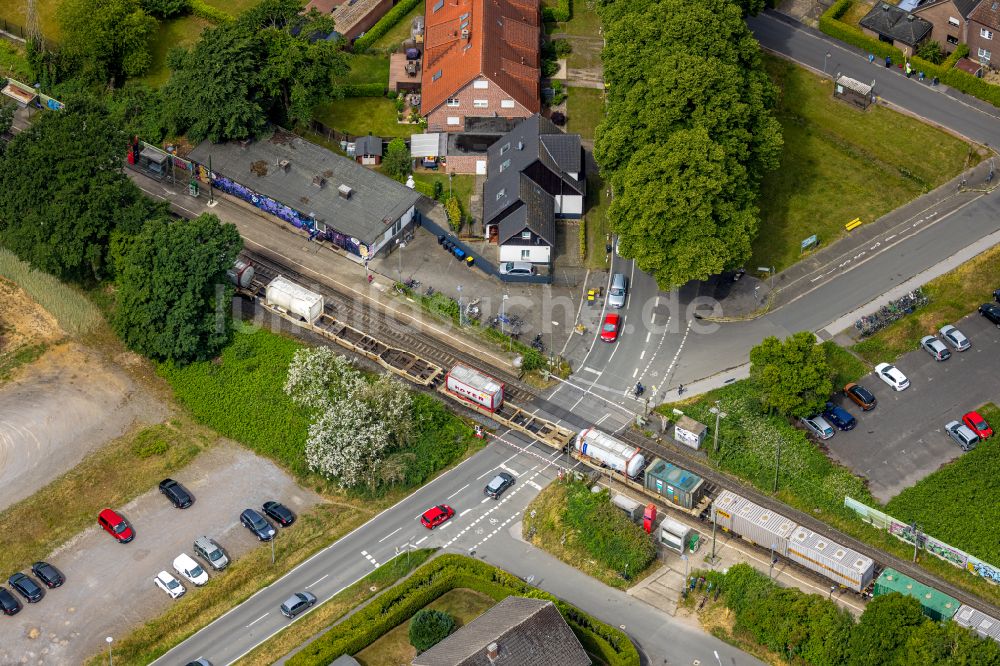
x=955, y=338
x=891, y=375
x=169, y=584
x=185, y=565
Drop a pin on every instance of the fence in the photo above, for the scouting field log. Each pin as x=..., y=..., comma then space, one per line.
x=13, y=29
x=336, y=136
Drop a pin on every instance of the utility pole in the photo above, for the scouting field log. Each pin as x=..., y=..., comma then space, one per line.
x=777, y=462
x=211, y=191
x=461, y=310
x=916, y=539
x=717, y=410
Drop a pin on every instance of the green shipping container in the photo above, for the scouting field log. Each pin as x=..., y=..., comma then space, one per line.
x=937, y=605
x=676, y=485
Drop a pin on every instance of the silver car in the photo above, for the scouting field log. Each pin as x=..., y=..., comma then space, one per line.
x=297, y=603
x=955, y=338
x=617, y=291
x=962, y=434
x=935, y=348
x=211, y=552
x=818, y=426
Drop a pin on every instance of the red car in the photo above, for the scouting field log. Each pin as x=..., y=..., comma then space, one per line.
x=115, y=525
x=436, y=515
x=977, y=424
x=609, y=331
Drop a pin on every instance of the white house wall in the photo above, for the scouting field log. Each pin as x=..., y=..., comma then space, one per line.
x=537, y=254
x=569, y=205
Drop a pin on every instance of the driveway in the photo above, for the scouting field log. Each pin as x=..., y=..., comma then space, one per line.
x=902, y=440
x=109, y=589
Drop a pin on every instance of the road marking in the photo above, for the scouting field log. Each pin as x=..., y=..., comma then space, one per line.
x=258, y=619
x=648, y=334
x=443, y=526
x=420, y=541
x=485, y=500
x=458, y=491
x=389, y=534
x=508, y=469
x=489, y=471
x=642, y=355
x=596, y=372
x=534, y=485
x=635, y=372
x=464, y=512
x=313, y=584
x=370, y=558
x=600, y=420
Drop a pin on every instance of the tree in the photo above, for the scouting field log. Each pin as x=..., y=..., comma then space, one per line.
x=64, y=192
x=166, y=8
x=792, y=377
x=454, y=211
x=7, y=110
x=174, y=299
x=429, y=627
x=107, y=40
x=397, y=162
x=884, y=627
x=315, y=376
x=931, y=51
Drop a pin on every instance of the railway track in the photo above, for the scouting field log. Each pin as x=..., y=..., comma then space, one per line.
x=404, y=337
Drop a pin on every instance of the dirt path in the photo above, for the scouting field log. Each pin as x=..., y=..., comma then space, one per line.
x=22, y=321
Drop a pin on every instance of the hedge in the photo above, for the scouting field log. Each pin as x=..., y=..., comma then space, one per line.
x=201, y=9
x=583, y=240
x=448, y=572
x=561, y=12
x=392, y=17
x=363, y=89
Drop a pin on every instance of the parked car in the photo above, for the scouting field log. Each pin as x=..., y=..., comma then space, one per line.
x=297, y=603
x=935, y=348
x=176, y=493
x=978, y=425
x=211, y=552
x=185, y=565
x=26, y=587
x=617, y=291
x=609, y=330
x=818, y=426
x=498, y=484
x=279, y=513
x=256, y=523
x=201, y=661
x=955, y=338
x=169, y=584
x=962, y=435
x=992, y=312
x=8, y=602
x=48, y=574
x=115, y=525
x=996, y=295
x=861, y=396
x=839, y=416
x=516, y=268
x=436, y=515
x=891, y=375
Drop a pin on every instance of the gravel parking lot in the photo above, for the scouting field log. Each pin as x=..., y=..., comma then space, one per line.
x=903, y=440
x=109, y=587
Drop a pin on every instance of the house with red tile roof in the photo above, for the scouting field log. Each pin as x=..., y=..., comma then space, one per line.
x=481, y=59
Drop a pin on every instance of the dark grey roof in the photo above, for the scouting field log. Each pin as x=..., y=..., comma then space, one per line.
x=345, y=660
x=526, y=631
x=564, y=150
x=963, y=7
x=376, y=202
x=535, y=210
x=489, y=124
x=891, y=21
x=368, y=145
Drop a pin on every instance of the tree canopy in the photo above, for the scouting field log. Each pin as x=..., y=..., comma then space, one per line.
x=105, y=39
x=174, y=299
x=792, y=376
x=397, y=162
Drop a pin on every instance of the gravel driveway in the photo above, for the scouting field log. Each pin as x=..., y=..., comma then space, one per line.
x=109, y=587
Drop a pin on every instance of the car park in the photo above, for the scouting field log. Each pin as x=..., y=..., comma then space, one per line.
x=48, y=574
x=962, y=435
x=297, y=603
x=609, y=330
x=977, y=424
x=279, y=513
x=116, y=526
x=498, y=484
x=891, y=375
x=818, y=426
x=176, y=493
x=936, y=348
x=839, y=417
x=256, y=523
x=26, y=587
x=861, y=396
x=8, y=602
x=436, y=515
x=208, y=550
x=169, y=584
x=992, y=313
x=185, y=565
x=617, y=291
x=955, y=338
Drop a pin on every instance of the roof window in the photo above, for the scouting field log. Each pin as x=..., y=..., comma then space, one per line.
x=437, y=75
x=437, y=5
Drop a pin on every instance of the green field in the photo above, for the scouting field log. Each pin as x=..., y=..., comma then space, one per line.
x=13, y=11
x=583, y=20
x=840, y=163
x=183, y=31
x=13, y=62
x=360, y=115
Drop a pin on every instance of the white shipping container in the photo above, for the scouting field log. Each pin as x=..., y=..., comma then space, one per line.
x=628, y=505
x=674, y=535
x=752, y=521
x=475, y=386
x=294, y=299
x=985, y=626
x=608, y=451
x=838, y=563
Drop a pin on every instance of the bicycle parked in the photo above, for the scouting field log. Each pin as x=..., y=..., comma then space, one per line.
x=891, y=312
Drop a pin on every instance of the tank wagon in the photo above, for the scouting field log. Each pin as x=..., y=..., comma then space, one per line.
x=610, y=452
x=287, y=297
x=241, y=274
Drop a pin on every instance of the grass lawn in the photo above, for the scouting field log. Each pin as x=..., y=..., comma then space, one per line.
x=584, y=110
x=461, y=186
x=857, y=11
x=13, y=62
x=952, y=296
x=846, y=366
x=583, y=19
x=368, y=69
x=597, y=222
x=840, y=163
x=233, y=7
x=394, y=647
x=14, y=12
x=393, y=38
x=183, y=31
x=360, y=115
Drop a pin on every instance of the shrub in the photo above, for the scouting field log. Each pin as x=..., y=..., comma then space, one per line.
x=532, y=359
x=607, y=534
x=549, y=68
x=454, y=210
x=562, y=47
x=932, y=52
x=202, y=9
x=163, y=9
x=363, y=90
x=430, y=627
x=392, y=17
x=561, y=12
x=583, y=239
x=438, y=190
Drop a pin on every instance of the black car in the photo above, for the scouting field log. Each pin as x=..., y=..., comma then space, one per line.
x=279, y=513
x=176, y=493
x=991, y=311
x=256, y=523
x=48, y=574
x=8, y=603
x=498, y=484
x=839, y=417
x=26, y=587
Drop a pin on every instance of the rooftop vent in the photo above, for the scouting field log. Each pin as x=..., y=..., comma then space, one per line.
x=520, y=145
x=910, y=17
x=319, y=181
x=465, y=34
x=284, y=164
x=492, y=652
x=344, y=191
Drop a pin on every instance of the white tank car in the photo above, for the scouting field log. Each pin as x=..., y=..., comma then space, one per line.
x=289, y=297
x=610, y=452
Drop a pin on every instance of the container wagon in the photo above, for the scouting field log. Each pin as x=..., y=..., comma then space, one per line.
x=752, y=521
x=472, y=385
x=985, y=626
x=610, y=452
x=241, y=274
x=841, y=565
x=674, y=484
x=936, y=604
x=286, y=296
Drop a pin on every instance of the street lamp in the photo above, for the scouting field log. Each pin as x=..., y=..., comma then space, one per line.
x=552, y=332
x=111, y=658
x=461, y=310
x=719, y=414
x=832, y=588
x=685, y=558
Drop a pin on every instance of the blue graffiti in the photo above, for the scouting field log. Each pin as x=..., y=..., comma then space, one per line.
x=987, y=572
x=266, y=204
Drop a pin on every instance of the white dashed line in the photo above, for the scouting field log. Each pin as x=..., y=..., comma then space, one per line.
x=464, y=512
x=315, y=583
x=458, y=491
x=420, y=541
x=258, y=619
x=389, y=534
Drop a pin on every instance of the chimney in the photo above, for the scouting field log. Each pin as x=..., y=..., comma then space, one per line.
x=284, y=164
x=344, y=191
x=520, y=145
x=492, y=652
x=319, y=181
x=465, y=34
